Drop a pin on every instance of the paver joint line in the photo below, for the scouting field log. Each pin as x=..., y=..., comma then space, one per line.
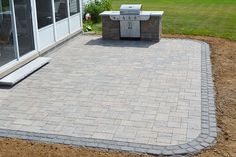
x=110, y=137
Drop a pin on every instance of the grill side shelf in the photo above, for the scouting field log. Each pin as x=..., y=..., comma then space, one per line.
x=130, y=17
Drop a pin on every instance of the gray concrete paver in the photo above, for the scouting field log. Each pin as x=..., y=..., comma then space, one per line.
x=151, y=95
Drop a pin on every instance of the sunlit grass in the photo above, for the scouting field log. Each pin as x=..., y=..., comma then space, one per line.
x=192, y=17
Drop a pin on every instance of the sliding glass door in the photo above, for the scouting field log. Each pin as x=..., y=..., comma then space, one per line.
x=16, y=30
x=7, y=52
x=24, y=26
x=30, y=26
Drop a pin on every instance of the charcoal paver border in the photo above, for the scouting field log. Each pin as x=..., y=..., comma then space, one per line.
x=206, y=138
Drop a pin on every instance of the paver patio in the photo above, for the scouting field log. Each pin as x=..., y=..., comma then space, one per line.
x=139, y=96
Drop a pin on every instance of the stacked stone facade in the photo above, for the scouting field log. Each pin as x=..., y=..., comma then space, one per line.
x=110, y=28
x=151, y=29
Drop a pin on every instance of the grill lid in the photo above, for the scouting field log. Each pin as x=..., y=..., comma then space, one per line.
x=130, y=9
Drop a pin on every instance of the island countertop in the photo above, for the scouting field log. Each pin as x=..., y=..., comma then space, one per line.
x=150, y=13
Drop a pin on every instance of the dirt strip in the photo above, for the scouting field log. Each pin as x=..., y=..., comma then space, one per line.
x=224, y=70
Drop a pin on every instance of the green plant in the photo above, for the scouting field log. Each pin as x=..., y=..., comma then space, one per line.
x=95, y=7
x=5, y=5
x=87, y=26
x=106, y=5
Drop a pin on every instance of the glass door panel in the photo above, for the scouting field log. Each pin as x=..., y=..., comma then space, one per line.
x=61, y=11
x=74, y=7
x=7, y=52
x=24, y=26
x=44, y=13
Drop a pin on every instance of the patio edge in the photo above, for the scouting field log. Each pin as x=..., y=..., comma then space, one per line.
x=205, y=139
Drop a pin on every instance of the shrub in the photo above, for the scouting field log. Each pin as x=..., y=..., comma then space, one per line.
x=87, y=26
x=5, y=5
x=95, y=7
x=106, y=5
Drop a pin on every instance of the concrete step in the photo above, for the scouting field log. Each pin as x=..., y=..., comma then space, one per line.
x=24, y=71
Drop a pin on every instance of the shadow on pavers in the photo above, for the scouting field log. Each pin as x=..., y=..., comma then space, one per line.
x=121, y=43
x=6, y=86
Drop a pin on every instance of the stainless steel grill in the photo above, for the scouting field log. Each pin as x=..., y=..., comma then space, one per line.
x=130, y=9
x=130, y=21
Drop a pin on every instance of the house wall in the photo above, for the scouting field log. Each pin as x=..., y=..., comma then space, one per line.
x=46, y=37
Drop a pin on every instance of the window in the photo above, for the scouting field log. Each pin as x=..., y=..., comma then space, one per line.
x=44, y=13
x=7, y=52
x=24, y=26
x=61, y=11
x=74, y=7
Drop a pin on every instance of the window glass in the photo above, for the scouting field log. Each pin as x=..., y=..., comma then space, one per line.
x=24, y=26
x=74, y=7
x=61, y=11
x=7, y=52
x=44, y=13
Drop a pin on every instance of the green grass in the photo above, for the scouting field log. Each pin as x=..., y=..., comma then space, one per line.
x=97, y=27
x=215, y=18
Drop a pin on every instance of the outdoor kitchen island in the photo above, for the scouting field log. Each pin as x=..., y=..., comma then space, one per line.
x=132, y=23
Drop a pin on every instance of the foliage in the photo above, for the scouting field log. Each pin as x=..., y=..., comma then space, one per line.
x=5, y=5
x=97, y=28
x=90, y=26
x=87, y=26
x=95, y=7
x=106, y=5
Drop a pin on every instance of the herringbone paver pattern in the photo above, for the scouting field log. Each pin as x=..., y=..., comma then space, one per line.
x=128, y=91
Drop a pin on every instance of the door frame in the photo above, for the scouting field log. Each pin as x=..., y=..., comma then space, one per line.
x=15, y=63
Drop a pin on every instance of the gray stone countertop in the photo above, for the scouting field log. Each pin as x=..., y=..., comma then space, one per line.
x=151, y=13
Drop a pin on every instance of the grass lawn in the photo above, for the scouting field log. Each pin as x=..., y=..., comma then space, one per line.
x=192, y=17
